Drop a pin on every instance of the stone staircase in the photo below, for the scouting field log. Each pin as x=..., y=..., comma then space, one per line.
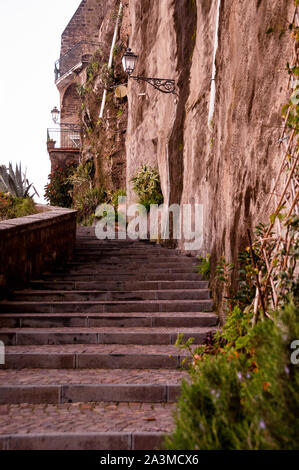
x=90, y=359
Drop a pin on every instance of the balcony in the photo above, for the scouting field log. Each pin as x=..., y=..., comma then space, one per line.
x=64, y=138
x=74, y=61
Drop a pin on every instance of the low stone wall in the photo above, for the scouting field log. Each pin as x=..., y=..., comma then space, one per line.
x=60, y=158
x=30, y=244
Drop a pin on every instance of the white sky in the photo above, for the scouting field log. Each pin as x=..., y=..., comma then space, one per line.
x=30, y=33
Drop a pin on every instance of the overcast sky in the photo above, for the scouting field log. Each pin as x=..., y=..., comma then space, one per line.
x=30, y=33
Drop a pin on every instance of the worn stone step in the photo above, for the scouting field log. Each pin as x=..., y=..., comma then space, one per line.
x=129, y=253
x=99, y=426
x=118, y=277
x=100, y=335
x=108, y=306
x=101, y=356
x=117, y=285
x=133, y=259
x=117, y=244
x=128, y=259
x=152, y=319
x=124, y=252
x=61, y=296
x=95, y=268
x=99, y=385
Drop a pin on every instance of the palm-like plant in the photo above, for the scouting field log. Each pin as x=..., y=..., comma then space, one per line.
x=15, y=182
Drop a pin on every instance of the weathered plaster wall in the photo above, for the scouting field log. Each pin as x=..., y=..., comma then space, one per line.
x=228, y=169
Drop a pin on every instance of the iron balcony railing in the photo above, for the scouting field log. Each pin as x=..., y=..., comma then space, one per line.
x=75, y=59
x=65, y=137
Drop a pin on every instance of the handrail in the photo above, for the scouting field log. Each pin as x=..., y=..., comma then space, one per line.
x=67, y=138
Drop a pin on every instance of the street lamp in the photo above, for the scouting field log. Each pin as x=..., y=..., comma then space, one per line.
x=55, y=117
x=129, y=61
x=55, y=114
x=164, y=85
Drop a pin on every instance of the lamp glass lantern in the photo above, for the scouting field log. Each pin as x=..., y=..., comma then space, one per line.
x=129, y=61
x=55, y=114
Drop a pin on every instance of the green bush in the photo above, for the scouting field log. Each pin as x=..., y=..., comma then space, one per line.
x=58, y=192
x=13, y=207
x=243, y=390
x=147, y=186
x=116, y=195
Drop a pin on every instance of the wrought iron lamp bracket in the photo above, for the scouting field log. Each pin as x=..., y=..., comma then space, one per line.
x=162, y=84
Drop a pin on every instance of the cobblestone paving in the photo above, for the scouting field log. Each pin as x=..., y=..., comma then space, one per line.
x=95, y=376
x=86, y=417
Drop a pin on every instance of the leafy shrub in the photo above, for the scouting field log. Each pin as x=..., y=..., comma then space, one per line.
x=85, y=197
x=13, y=207
x=82, y=175
x=116, y=195
x=58, y=190
x=243, y=392
x=86, y=203
x=147, y=186
x=119, y=216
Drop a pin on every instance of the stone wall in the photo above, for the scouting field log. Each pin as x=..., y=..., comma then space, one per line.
x=29, y=244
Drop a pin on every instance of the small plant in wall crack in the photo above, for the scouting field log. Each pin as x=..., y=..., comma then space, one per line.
x=204, y=266
x=147, y=186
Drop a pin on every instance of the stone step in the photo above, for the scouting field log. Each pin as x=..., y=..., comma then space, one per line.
x=117, y=285
x=100, y=335
x=123, y=252
x=99, y=385
x=90, y=348
x=100, y=426
x=108, y=306
x=61, y=296
x=103, y=268
x=128, y=261
x=86, y=320
x=118, y=277
x=134, y=258
x=117, y=244
x=131, y=260
x=101, y=356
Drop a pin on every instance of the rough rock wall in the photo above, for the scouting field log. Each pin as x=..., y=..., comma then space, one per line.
x=228, y=169
x=104, y=138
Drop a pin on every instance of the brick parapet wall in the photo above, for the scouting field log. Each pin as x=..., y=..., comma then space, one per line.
x=84, y=25
x=60, y=158
x=28, y=245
